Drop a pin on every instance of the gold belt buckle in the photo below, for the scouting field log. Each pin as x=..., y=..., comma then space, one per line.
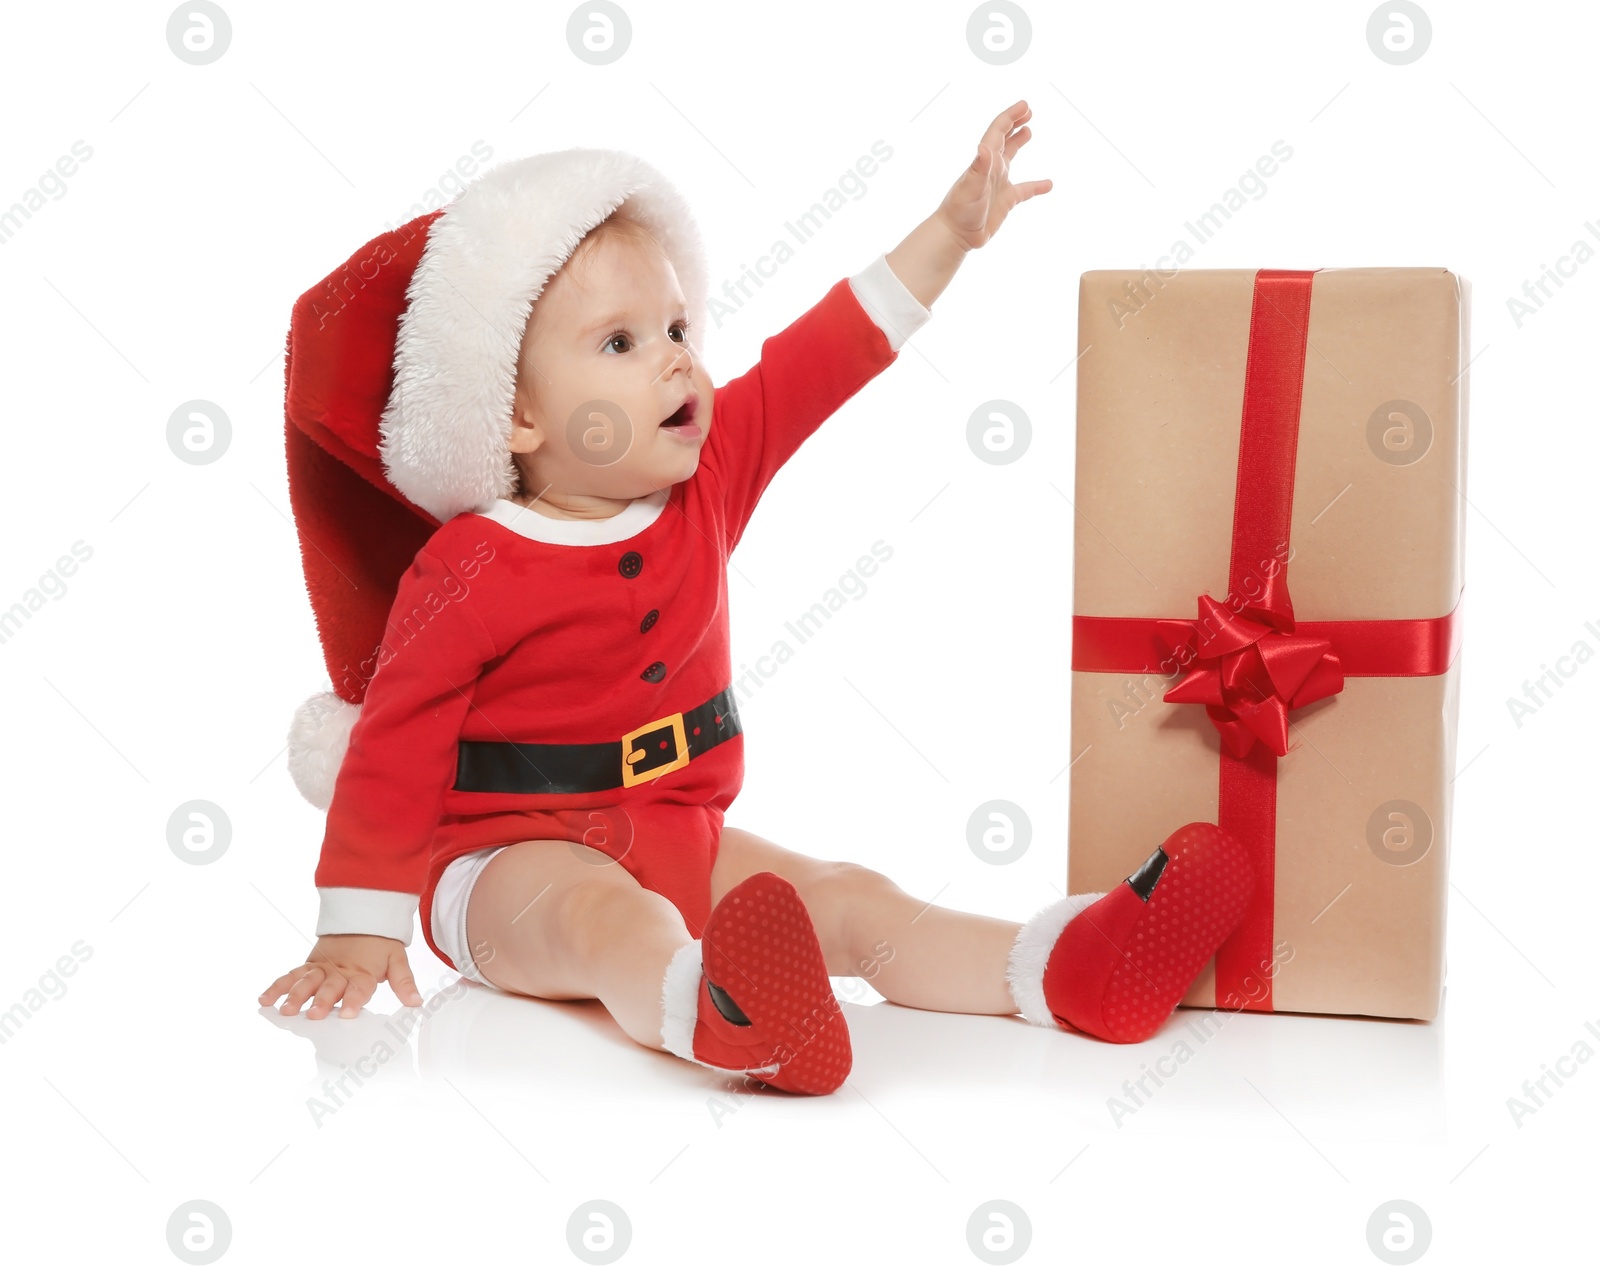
x=630, y=757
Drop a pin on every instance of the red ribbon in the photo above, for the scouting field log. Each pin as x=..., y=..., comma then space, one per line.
x=1247, y=661
x=1250, y=672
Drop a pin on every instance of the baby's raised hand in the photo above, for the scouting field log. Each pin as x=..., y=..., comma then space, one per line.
x=981, y=199
x=347, y=967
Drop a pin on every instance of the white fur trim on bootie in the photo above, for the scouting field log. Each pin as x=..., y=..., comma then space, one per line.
x=1031, y=951
x=318, y=738
x=680, y=1007
x=680, y=1001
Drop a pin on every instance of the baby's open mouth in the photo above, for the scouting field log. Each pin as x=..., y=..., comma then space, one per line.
x=684, y=414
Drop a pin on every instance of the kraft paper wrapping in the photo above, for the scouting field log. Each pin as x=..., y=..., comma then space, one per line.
x=1376, y=533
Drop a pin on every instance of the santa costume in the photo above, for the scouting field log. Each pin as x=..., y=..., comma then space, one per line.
x=500, y=675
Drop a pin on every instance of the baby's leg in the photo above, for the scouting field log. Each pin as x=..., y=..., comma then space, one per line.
x=929, y=956
x=909, y=950
x=558, y=920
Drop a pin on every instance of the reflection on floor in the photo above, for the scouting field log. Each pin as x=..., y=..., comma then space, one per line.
x=1329, y=1077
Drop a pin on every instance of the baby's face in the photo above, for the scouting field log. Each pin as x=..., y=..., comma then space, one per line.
x=606, y=364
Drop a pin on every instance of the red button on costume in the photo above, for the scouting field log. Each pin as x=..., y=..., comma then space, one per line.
x=498, y=637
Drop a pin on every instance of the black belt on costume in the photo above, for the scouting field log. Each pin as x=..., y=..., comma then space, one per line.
x=655, y=748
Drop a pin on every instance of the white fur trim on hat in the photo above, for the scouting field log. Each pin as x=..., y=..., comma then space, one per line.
x=446, y=428
x=318, y=737
x=1031, y=951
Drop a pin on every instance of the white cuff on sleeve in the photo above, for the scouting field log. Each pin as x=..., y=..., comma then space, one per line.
x=368, y=911
x=887, y=301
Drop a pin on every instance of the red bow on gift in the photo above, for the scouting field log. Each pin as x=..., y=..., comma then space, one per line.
x=1251, y=668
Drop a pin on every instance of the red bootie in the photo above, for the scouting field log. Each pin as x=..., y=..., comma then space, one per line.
x=762, y=1002
x=1116, y=964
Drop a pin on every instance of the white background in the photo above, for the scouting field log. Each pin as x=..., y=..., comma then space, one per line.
x=169, y=667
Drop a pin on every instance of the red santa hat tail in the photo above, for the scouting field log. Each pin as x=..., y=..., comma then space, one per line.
x=399, y=380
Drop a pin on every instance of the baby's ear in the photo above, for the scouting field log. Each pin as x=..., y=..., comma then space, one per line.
x=525, y=434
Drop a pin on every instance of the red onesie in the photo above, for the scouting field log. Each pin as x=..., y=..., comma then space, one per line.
x=503, y=634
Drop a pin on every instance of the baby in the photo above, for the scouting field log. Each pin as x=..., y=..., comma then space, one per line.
x=545, y=754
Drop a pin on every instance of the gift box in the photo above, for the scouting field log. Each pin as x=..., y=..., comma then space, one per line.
x=1267, y=583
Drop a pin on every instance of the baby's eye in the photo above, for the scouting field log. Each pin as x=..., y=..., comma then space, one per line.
x=621, y=335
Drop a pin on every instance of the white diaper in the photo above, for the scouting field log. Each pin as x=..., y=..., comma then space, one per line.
x=450, y=896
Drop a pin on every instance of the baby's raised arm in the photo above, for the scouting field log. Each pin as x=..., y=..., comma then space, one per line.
x=971, y=212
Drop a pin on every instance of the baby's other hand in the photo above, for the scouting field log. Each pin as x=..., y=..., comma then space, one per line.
x=982, y=198
x=347, y=967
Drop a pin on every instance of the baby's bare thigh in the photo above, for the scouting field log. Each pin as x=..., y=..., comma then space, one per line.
x=521, y=914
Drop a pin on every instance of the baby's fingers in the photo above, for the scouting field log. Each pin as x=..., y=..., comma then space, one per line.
x=332, y=990
x=302, y=989
x=1016, y=141
x=995, y=134
x=277, y=988
x=362, y=987
x=402, y=981
x=280, y=987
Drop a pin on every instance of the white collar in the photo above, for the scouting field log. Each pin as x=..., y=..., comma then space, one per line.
x=639, y=514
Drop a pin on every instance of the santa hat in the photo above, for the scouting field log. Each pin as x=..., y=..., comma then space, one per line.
x=400, y=373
